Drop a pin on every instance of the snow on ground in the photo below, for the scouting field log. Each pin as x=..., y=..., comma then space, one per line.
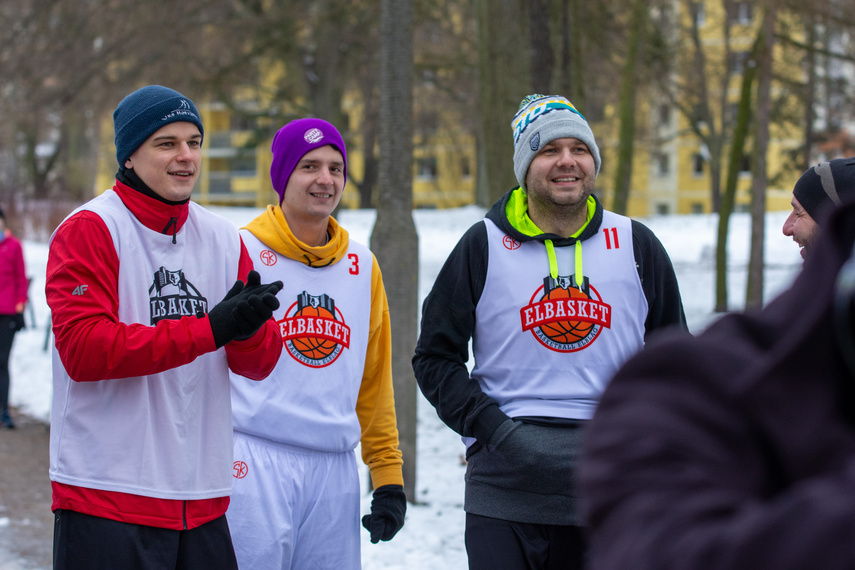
x=433, y=534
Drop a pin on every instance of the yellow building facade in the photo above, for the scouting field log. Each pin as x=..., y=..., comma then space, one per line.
x=235, y=170
x=671, y=171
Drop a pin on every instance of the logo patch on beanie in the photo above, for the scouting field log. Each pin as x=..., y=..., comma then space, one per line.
x=537, y=109
x=535, y=142
x=313, y=135
x=183, y=109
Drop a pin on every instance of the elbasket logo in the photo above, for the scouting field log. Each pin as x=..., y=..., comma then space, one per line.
x=314, y=331
x=171, y=297
x=565, y=317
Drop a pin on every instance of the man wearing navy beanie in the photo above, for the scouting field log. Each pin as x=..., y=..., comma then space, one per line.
x=153, y=300
x=817, y=192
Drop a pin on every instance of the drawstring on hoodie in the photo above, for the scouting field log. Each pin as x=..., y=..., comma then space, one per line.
x=516, y=210
x=309, y=261
x=553, y=262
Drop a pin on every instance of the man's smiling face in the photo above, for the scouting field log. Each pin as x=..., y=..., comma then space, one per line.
x=168, y=161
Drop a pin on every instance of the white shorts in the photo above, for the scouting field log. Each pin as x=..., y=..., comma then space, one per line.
x=293, y=507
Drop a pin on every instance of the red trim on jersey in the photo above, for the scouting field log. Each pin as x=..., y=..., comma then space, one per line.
x=136, y=509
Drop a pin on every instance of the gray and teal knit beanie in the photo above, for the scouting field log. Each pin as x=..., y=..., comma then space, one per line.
x=540, y=120
x=823, y=186
x=146, y=110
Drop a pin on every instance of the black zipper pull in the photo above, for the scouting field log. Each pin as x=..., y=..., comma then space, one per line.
x=173, y=223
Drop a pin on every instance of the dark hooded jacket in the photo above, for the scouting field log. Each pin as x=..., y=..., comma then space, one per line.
x=448, y=315
x=735, y=449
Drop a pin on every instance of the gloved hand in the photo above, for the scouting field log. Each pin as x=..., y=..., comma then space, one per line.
x=388, y=507
x=244, y=309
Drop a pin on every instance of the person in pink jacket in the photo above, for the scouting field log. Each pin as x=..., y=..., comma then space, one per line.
x=13, y=299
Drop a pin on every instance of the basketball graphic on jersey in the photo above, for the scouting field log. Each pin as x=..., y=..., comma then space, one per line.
x=313, y=330
x=565, y=316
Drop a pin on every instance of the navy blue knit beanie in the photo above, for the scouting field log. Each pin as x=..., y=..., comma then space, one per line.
x=146, y=110
x=823, y=186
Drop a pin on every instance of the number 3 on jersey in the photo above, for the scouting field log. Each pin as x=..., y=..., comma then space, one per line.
x=354, y=263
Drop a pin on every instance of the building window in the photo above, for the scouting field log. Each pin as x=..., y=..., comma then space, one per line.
x=697, y=207
x=745, y=164
x=698, y=164
x=743, y=13
x=699, y=13
x=663, y=164
x=241, y=122
x=426, y=168
x=244, y=164
x=736, y=63
x=465, y=168
x=665, y=114
x=662, y=209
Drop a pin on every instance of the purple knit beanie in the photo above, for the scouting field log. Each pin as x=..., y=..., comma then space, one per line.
x=293, y=141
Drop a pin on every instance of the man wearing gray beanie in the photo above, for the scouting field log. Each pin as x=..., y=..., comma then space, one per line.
x=555, y=293
x=817, y=192
x=153, y=300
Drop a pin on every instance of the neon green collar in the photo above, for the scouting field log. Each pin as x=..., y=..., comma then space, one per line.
x=517, y=212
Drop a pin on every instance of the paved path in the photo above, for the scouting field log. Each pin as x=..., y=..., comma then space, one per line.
x=26, y=522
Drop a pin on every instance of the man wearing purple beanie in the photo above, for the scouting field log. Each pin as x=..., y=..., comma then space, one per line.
x=296, y=498
x=819, y=190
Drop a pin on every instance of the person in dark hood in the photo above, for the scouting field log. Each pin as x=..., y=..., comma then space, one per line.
x=555, y=293
x=735, y=449
x=819, y=190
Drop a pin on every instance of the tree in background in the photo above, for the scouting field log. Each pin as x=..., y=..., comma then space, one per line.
x=756, y=265
x=627, y=104
x=394, y=239
x=503, y=82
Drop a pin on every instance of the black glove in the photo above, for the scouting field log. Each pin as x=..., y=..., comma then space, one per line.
x=388, y=507
x=244, y=309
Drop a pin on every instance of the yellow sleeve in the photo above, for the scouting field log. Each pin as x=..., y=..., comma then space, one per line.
x=375, y=406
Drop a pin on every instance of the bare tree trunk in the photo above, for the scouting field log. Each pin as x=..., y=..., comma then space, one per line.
x=369, y=140
x=810, y=91
x=573, y=73
x=737, y=149
x=503, y=83
x=754, y=289
x=542, y=59
x=394, y=239
x=628, y=92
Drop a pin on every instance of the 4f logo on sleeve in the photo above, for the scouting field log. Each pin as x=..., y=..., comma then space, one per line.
x=314, y=331
x=564, y=316
x=80, y=290
x=171, y=296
